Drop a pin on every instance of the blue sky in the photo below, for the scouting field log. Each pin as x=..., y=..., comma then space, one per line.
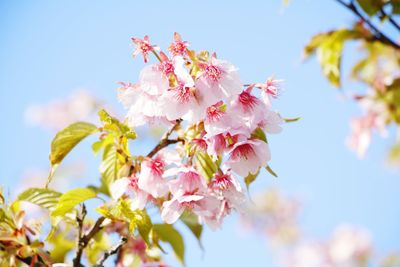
x=49, y=48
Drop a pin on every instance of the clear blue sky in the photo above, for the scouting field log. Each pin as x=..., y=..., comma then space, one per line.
x=48, y=48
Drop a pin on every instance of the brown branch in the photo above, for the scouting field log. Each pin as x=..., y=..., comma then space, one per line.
x=83, y=240
x=112, y=251
x=164, y=142
x=378, y=35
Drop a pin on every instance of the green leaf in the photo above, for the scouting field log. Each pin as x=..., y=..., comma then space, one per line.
x=109, y=165
x=137, y=219
x=68, y=138
x=288, y=120
x=167, y=233
x=206, y=166
x=192, y=222
x=43, y=197
x=258, y=133
x=371, y=7
x=114, y=125
x=251, y=178
x=328, y=47
x=268, y=168
x=72, y=198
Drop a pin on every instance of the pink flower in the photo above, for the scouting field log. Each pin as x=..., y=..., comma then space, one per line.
x=189, y=193
x=153, y=79
x=221, y=119
x=142, y=107
x=216, y=145
x=270, y=89
x=226, y=186
x=218, y=81
x=129, y=185
x=248, y=156
x=181, y=101
x=271, y=122
x=151, y=177
x=178, y=47
x=143, y=47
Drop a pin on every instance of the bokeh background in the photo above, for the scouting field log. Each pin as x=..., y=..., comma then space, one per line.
x=50, y=48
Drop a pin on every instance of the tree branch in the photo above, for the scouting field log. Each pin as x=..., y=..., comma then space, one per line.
x=164, y=142
x=83, y=240
x=379, y=35
x=112, y=251
x=391, y=20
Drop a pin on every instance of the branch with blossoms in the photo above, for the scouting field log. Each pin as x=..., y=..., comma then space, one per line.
x=215, y=146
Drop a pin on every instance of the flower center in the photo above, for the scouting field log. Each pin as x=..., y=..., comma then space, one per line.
x=214, y=112
x=244, y=151
x=221, y=182
x=183, y=93
x=248, y=101
x=166, y=67
x=213, y=72
x=157, y=166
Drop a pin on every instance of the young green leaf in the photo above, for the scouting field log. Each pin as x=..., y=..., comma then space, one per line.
x=288, y=120
x=205, y=165
x=137, y=219
x=192, y=222
x=268, y=168
x=258, y=133
x=43, y=197
x=68, y=138
x=109, y=164
x=72, y=198
x=250, y=178
x=328, y=47
x=167, y=233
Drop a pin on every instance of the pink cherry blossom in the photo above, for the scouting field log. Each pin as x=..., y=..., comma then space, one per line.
x=225, y=186
x=143, y=47
x=248, y=156
x=151, y=177
x=129, y=185
x=269, y=89
x=218, y=81
x=178, y=47
x=142, y=107
x=189, y=192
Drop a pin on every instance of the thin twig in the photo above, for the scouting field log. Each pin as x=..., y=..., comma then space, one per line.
x=164, y=142
x=391, y=20
x=379, y=35
x=112, y=251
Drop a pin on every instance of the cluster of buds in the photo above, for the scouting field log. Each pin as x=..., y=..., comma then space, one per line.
x=220, y=126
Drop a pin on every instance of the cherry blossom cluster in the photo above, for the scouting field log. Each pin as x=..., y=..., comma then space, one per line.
x=220, y=124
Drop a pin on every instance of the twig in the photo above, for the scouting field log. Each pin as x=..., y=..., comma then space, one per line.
x=164, y=142
x=112, y=251
x=377, y=33
x=391, y=20
x=83, y=240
